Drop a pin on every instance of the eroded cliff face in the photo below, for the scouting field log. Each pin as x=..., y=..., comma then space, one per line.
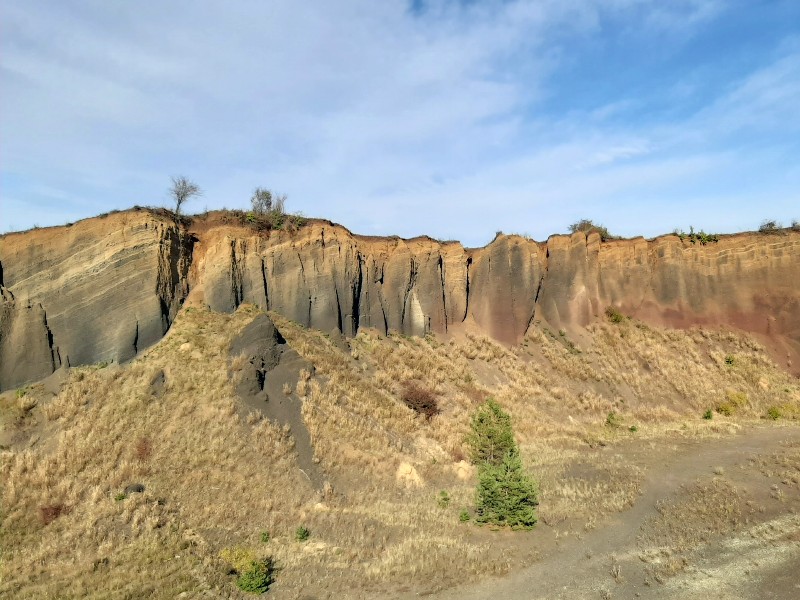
x=107, y=287
x=99, y=290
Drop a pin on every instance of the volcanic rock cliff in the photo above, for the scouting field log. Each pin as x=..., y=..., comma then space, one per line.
x=104, y=288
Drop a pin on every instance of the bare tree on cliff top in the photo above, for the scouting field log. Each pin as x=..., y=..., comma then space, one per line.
x=182, y=189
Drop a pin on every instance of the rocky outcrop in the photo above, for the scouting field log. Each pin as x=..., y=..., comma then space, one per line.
x=327, y=278
x=99, y=290
x=107, y=287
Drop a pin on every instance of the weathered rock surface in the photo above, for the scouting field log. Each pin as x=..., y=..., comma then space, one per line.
x=99, y=290
x=107, y=287
x=325, y=277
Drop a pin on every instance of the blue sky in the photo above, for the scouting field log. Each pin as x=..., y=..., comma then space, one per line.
x=453, y=119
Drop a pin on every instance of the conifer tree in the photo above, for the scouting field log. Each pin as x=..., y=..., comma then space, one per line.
x=506, y=494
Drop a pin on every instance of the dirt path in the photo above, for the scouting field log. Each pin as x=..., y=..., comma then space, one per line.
x=758, y=561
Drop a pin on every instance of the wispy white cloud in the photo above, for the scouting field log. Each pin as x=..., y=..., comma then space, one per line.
x=389, y=120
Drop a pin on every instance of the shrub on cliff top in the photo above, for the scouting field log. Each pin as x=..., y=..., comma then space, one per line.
x=769, y=226
x=587, y=226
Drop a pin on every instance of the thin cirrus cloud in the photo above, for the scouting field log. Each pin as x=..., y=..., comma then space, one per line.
x=453, y=119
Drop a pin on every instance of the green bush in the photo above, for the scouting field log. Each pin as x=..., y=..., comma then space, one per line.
x=120, y=497
x=613, y=420
x=697, y=236
x=257, y=577
x=774, y=413
x=725, y=408
x=587, y=226
x=491, y=436
x=506, y=495
x=443, y=500
x=264, y=536
x=730, y=360
x=614, y=315
x=463, y=516
x=633, y=429
x=708, y=415
x=301, y=534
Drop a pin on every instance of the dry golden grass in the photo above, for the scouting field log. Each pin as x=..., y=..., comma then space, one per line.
x=216, y=477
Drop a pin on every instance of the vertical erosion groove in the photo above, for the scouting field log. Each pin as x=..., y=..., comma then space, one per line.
x=444, y=296
x=412, y=276
x=264, y=280
x=338, y=309
x=466, y=301
x=55, y=358
x=236, y=275
x=357, y=295
x=175, y=255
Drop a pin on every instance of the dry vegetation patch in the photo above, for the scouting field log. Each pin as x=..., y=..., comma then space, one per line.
x=216, y=477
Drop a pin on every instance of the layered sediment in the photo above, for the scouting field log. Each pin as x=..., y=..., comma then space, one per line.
x=107, y=287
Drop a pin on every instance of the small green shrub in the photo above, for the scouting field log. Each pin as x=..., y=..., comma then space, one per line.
x=614, y=315
x=795, y=225
x=257, y=577
x=443, y=500
x=120, y=497
x=774, y=413
x=301, y=534
x=725, y=408
x=697, y=236
x=708, y=415
x=264, y=537
x=737, y=399
x=730, y=360
x=613, y=420
x=633, y=429
x=21, y=392
x=587, y=226
x=463, y=516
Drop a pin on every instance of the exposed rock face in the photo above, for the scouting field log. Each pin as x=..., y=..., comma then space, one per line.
x=99, y=290
x=107, y=287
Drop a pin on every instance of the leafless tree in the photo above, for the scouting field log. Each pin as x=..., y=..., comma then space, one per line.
x=182, y=189
x=264, y=201
x=261, y=201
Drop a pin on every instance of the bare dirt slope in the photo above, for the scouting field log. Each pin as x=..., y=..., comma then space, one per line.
x=596, y=417
x=716, y=519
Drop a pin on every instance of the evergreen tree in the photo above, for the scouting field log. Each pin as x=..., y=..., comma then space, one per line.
x=506, y=495
x=491, y=437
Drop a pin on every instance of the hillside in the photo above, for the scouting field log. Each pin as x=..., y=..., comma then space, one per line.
x=184, y=396
x=220, y=465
